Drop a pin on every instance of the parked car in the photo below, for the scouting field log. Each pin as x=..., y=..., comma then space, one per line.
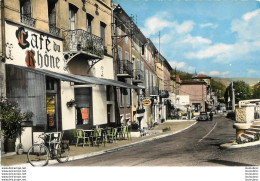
x=203, y=116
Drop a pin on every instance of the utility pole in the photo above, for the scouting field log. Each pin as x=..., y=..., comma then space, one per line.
x=233, y=98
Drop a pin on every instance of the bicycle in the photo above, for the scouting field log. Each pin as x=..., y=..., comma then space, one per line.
x=52, y=146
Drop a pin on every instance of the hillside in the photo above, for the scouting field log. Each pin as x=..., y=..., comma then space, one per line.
x=227, y=81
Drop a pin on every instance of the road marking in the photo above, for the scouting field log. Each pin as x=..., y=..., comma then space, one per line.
x=208, y=133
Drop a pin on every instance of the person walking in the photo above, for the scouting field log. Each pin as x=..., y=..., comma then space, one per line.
x=211, y=116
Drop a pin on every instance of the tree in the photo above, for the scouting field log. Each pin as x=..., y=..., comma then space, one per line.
x=256, y=91
x=242, y=91
x=218, y=87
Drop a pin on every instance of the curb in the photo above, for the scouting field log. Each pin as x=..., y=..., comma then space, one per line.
x=235, y=145
x=87, y=155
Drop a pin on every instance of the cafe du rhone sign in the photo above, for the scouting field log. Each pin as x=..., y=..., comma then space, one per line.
x=26, y=47
x=146, y=102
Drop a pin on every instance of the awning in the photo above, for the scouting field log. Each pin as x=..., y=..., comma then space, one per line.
x=56, y=75
x=101, y=81
x=79, y=78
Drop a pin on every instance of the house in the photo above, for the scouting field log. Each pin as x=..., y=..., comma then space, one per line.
x=58, y=64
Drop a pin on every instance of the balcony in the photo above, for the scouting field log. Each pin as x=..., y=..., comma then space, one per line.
x=81, y=41
x=54, y=30
x=125, y=69
x=138, y=76
x=28, y=20
x=154, y=91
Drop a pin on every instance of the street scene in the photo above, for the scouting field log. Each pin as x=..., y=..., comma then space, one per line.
x=91, y=83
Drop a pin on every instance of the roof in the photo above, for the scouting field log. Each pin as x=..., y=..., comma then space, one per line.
x=201, y=76
x=192, y=82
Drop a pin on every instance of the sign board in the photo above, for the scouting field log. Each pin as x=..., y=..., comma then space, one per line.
x=33, y=49
x=146, y=102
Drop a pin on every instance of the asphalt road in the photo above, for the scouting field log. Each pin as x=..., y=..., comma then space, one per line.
x=196, y=146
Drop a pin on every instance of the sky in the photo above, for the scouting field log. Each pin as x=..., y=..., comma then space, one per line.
x=216, y=38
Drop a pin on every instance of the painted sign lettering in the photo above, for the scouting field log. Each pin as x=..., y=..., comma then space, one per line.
x=29, y=59
x=22, y=36
x=40, y=43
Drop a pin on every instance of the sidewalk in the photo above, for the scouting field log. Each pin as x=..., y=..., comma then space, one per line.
x=173, y=127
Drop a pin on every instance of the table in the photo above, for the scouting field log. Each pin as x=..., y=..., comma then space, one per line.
x=89, y=133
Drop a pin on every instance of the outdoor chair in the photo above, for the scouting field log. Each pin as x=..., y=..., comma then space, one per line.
x=80, y=135
x=123, y=133
x=111, y=135
x=98, y=137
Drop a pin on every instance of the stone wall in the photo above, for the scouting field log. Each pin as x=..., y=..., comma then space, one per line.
x=241, y=115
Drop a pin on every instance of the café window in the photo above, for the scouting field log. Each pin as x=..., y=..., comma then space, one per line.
x=83, y=98
x=89, y=19
x=72, y=16
x=51, y=104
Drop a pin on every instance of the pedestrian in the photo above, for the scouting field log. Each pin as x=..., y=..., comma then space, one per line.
x=211, y=115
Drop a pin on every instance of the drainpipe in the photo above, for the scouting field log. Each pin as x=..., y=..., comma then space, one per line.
x=3, y=50
x=3, y=30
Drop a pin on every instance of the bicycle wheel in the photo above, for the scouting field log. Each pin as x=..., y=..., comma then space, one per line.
x=62, y=152
x=38, y=155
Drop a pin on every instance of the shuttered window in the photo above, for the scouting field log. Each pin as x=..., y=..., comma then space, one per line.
x=102, y=31
x=72, y=17
x=128, y=98
x=89, y=20
x=25, y=7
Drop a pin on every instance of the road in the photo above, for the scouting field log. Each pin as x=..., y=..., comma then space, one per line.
x=196, y=146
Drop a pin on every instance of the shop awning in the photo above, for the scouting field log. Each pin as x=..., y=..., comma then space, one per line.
x=78, y=78
x=101, y=81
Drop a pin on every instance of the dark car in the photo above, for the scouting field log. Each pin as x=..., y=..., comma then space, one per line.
x=203, y=116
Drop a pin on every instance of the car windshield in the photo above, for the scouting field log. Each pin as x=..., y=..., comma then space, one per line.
x=203, y=113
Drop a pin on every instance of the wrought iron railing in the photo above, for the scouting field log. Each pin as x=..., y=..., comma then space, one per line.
x=54, y=30
x=125, y=67
x=28, y=20
x=139, y=75
x=154, y=91
x=81, y=40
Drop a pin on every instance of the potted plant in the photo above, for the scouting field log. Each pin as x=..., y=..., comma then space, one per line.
x=71, y=103
x=11, y=119
x=19, y=149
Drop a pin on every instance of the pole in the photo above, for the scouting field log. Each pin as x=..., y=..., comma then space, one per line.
x=233, y=98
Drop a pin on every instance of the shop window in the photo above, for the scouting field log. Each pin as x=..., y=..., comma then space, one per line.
x=51, y=104
x=102, y=31
x=50, y=84
x=83, y=98
x=89, y=22
x=72, y=16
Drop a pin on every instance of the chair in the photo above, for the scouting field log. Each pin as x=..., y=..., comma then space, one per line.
x=123, y=133
x=111, y=135
x=128, y=130
x=98, y=137
x=80, y=135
